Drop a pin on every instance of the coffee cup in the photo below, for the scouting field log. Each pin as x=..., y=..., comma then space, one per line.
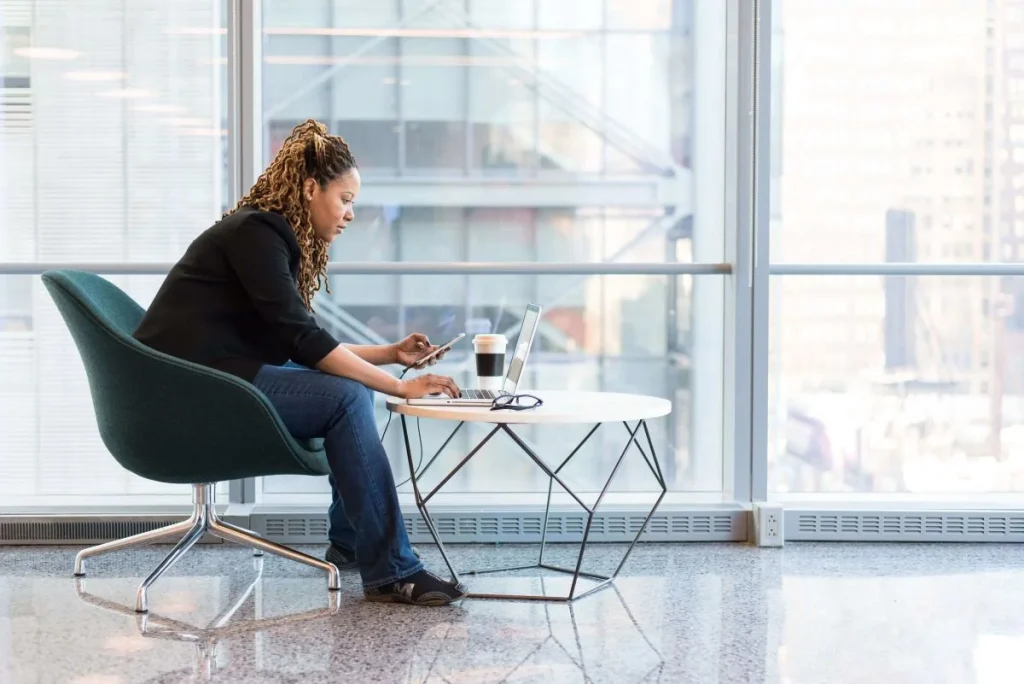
x=490, y=360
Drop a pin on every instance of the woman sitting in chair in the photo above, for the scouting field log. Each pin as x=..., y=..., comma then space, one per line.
x=239, y=301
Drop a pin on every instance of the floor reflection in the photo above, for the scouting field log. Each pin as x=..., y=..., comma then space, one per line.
x=598, y=639
x=595, y=639
x=680, y=614
x=222, y=618
x=207, y=639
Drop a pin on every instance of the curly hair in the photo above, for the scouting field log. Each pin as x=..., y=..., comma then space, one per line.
x=309, y=151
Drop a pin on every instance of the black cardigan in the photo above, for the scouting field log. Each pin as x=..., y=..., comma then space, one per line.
x=232, y=301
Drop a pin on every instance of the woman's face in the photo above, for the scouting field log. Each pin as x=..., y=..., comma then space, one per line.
x=330, y=207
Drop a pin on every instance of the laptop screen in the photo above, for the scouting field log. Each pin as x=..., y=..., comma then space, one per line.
x=523, y=344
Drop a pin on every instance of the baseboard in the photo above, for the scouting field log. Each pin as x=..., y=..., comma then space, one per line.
x=308, y=525
x=524, y=526
x=999, y=526
x=83, y=529
x=302, y=525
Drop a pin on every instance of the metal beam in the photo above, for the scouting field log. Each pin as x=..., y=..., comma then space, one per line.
x=627, y=192
x=405, y=268
x=556, y=268
x=748, y=159
x=245, y=96
x=245, y=130
x=242, y=491
x=898, y=269
x=760, y=220
x=712, y=191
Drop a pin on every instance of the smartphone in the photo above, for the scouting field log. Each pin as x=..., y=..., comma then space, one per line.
x=443, y=348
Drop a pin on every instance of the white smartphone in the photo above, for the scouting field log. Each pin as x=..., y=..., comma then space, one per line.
x=440, y=350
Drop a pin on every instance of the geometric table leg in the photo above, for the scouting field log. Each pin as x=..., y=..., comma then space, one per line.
x=553, y=476
x=655, y=468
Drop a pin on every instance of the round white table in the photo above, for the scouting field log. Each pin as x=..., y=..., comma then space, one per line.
x=558, y=408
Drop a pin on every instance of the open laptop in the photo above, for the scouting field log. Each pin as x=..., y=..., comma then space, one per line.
x=477, y=397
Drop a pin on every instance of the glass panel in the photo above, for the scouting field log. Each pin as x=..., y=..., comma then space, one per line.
x=112, y=139
x=521, y=99
x=920, y=162
x=652, y=64
x=501, y=14
x=502, y=109
x=112, y=148
x=439, y=100
x=435, y=144
x=570, y=14
x=608, y=333
x=896, y=385
x=374, y=143
x=50, y=448
x=652, y=15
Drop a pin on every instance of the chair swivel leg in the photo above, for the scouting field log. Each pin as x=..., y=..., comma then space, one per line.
x=152, y=536
x=183, y=545
x=244, y=537
x=241, y=530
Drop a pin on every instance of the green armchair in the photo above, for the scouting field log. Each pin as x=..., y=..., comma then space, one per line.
x=169, y=420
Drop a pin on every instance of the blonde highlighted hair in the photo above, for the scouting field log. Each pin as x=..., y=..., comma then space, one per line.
x=309, y=151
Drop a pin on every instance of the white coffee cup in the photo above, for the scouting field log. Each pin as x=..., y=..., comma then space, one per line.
x=490, y=360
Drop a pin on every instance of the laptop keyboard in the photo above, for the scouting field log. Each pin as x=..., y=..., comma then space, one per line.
x=479, y=394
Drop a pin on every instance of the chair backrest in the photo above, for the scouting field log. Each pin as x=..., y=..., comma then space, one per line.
x=114, y=310
x=163, y=418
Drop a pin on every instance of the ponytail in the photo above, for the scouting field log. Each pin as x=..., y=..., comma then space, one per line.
x=309, y=151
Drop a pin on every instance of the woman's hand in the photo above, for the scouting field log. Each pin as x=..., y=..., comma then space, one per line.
x=422, y=385
x=413, y=348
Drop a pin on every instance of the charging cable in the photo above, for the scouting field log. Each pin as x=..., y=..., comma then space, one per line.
x=419, y=434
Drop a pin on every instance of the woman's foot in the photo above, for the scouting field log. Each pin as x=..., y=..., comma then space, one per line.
x=345, y=559
x=420, y=589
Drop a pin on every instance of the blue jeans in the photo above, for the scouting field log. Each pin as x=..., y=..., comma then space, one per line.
x=365, y=516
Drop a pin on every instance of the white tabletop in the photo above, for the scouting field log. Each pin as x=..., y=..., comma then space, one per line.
x=559, y=407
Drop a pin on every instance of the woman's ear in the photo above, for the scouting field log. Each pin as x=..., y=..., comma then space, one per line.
x=307, y=189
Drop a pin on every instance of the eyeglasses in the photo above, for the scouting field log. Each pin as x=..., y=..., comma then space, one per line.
x=516, y=402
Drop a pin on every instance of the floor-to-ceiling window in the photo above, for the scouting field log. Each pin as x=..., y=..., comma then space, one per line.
x=112, y=150
x=541, y=131
x=544, y=132
x=896, y=362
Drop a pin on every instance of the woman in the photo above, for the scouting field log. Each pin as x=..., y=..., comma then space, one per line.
x=240, y=300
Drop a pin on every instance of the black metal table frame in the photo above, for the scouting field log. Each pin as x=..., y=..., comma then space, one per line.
x=602, y=580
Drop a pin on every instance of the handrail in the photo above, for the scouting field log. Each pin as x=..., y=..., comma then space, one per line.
x=558, y=268
x=405, y=268
x=898, y=269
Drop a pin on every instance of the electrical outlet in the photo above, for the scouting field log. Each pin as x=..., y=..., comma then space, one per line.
x=768, y=525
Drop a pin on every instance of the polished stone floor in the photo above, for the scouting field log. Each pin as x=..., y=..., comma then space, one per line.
x=810, y=613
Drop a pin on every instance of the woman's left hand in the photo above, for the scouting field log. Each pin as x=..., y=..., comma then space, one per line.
x=413, y=348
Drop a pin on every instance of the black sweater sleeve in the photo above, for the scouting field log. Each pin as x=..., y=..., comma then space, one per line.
x=259, y=255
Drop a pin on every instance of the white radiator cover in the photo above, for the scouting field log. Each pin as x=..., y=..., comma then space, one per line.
x=298, y=525
x=518, y=526
x=904, y=526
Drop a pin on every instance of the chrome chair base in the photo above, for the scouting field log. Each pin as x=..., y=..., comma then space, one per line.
x=203, y=520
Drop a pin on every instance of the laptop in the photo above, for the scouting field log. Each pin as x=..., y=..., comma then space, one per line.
x=478, y=397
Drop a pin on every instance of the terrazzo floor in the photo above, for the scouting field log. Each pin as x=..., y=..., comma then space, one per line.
x=808, y=613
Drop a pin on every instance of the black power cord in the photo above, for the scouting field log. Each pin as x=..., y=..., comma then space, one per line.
x=419, y=434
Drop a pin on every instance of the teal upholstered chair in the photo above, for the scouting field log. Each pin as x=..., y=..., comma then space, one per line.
x=173, y=421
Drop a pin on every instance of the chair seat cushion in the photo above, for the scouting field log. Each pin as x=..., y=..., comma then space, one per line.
x=314, y=445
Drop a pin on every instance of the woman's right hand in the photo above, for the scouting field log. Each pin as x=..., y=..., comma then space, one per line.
x=426, y=384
